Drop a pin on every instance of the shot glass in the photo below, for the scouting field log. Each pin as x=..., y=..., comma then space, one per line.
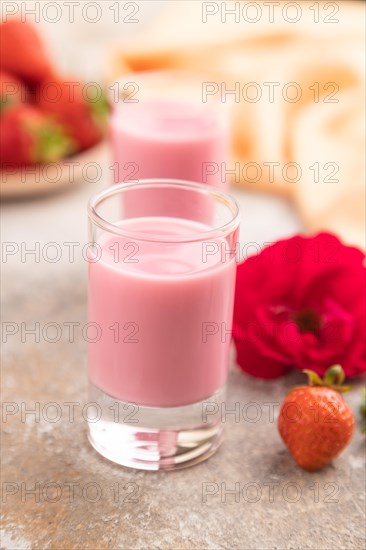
x=161, y=292
x=169, y=124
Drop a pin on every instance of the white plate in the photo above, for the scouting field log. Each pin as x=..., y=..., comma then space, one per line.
x=52, y=177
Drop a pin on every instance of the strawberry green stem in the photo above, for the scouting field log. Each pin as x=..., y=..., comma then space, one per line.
x=333, y=378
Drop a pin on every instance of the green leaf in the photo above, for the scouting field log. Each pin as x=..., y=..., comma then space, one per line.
x=100, y=111
x=313, y=378
x=333, y=378
x=334, y=375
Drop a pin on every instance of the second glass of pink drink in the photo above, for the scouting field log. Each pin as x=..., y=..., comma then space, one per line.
x=161, y=290
x=167, y=125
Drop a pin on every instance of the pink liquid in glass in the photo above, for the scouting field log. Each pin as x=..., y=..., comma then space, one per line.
x=160, y=298
x=170, y=139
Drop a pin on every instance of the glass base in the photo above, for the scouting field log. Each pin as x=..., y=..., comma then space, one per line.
x=154, y=438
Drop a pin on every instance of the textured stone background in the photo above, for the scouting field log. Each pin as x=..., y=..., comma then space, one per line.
x=166, y=510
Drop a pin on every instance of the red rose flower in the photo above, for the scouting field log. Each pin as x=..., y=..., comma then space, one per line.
x=301, y=303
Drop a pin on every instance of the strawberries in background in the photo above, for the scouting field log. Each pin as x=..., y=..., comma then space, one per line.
x=44, y=116
x=12, y=90
x=22, y=52
x=28, y=136
x=67, y=101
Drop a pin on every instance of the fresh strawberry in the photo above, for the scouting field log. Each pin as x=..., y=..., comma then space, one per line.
x=84, y=119
x=28, y=136
x=12, y=90
x=22, y=52
x=315, y=422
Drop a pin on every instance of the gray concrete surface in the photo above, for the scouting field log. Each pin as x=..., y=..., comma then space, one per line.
x=79, y=500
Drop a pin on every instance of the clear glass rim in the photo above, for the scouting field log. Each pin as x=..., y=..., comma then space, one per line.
x=216, y=194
